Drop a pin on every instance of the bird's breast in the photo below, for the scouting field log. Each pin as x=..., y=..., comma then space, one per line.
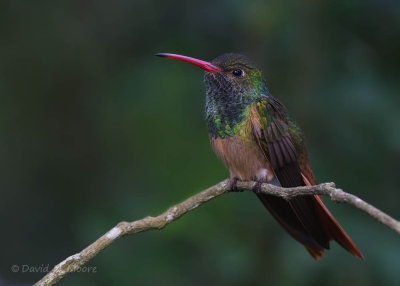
x=243, y=157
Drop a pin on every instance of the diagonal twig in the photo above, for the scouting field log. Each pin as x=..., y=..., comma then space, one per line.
x=74, y=262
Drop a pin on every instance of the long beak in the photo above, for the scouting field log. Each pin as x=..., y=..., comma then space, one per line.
x=201, y=64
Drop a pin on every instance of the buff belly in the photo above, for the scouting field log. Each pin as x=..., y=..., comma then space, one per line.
x=244, y=158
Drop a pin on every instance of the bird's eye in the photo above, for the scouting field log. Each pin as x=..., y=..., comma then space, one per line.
x=237, y=72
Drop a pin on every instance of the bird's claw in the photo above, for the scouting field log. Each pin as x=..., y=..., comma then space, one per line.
x=257, y=187
x=233, y=185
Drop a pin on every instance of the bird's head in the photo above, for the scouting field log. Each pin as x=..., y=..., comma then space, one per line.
x=233, y=84
x=230, y=76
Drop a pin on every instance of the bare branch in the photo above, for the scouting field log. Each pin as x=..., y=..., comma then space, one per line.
x=74, y=262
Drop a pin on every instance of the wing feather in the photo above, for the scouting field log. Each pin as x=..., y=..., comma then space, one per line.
x=305, y=218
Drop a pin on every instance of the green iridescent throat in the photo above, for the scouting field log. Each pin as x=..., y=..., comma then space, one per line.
x=228, y=102
x=230, y=128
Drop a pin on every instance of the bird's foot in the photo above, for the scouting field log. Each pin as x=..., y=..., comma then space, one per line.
x=257, y=187
x=233, y=185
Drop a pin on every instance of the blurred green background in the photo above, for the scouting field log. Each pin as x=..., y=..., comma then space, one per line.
x=94, y=130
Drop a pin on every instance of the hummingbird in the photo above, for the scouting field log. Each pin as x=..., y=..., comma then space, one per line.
x=254, y=136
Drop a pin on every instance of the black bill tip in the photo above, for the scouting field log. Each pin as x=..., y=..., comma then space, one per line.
x=163, y=55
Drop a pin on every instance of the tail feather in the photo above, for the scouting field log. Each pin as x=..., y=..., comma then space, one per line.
x=308, y=221
x=334, y=229
x=300, y=219
x=314, y=253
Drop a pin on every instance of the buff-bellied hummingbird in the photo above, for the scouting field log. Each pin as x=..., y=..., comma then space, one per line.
x=252, y=133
